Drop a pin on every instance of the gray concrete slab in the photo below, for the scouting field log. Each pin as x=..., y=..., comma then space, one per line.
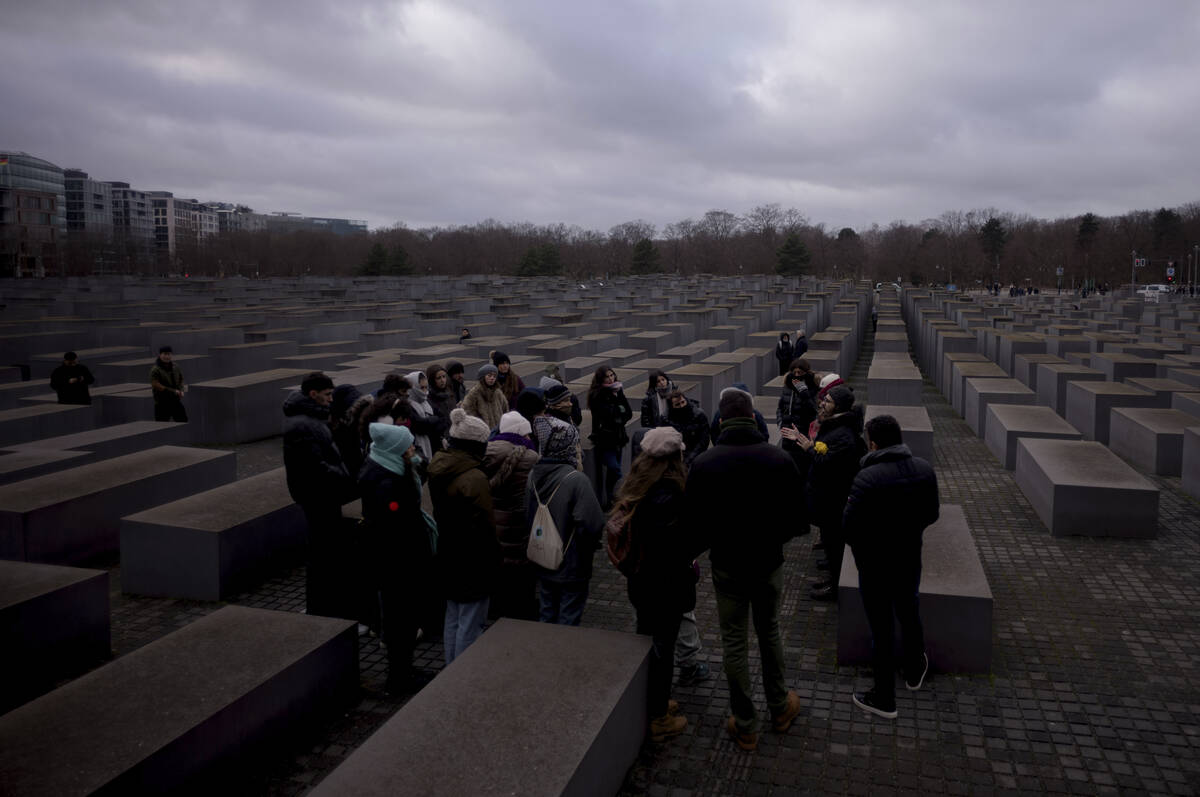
x=574, y=729
x=23, y=424
x=1008, y=423
x=182, y=707
x=1150, y=438
x=1089, y=405
x=955, y=601
x=73, y=515
x=1079, y=487
x=961, y=371
x=894, y=383
x=239, y=409
x=980, y=393
x=1118, y=367
x=1052, y=383
x=915, y=426
x=1162, y=389
x=53, y=624
x=1190, y=465
x=213, y=544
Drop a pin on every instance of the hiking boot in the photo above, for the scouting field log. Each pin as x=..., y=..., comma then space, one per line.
x=666, y=726
x=913, y=684
x=694, y=674
x=869, y=702
x=746, y=741
x=783, y=720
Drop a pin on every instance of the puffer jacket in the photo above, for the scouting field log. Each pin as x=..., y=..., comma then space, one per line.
x=507, y=465
x=468, y=556
x=315, y=471
x=832, y=472
x=397, y=536
x=797, y=405
x=892, y=500
x=610, y=412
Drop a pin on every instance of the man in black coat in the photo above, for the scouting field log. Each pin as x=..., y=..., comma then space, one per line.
x=318, y=481
x=71, y=379
x=732, y=501
x=892, y=500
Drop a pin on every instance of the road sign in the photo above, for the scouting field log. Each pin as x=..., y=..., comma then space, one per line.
x=1170, y=272
x=1058, y=271
x=1140, y=262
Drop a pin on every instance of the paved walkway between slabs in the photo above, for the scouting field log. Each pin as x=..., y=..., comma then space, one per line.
x=1094, y=690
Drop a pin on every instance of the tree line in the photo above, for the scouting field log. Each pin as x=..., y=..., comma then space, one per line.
x=961, y=247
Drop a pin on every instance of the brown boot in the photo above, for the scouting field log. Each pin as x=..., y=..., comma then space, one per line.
x=783, y=720
x=666, y=726
x=746, y=741
x=672, y=707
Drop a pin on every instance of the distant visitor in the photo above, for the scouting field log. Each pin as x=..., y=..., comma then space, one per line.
x=166, y=380
x=70, y=381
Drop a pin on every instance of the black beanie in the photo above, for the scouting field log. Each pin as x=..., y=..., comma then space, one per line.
x=500, y=357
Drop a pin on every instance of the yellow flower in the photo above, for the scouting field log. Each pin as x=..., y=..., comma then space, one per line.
x=820, y=448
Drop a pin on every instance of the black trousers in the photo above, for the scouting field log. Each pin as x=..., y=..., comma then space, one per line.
x=326, y=589
x=170, y=409
x=835, y=548
x=663, y=629
x=889, y=592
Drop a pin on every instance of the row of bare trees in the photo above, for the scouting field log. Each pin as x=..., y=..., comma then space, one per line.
x=963, y=247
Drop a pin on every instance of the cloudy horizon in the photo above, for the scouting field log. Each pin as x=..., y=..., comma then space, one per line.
x=450, y=113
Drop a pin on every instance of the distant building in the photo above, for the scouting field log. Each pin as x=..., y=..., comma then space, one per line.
x=291, y=222
x=237, y=218
x=133, y=218
x=89, y=205
x=32, y=215
x=179, y=221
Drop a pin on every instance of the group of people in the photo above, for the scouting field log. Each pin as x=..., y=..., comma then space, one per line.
x=71, y=381
x=498, y=457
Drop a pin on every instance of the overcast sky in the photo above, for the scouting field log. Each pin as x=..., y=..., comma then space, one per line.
x=601, y=112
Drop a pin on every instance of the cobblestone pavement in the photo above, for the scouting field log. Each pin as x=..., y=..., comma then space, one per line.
x=1093, y=689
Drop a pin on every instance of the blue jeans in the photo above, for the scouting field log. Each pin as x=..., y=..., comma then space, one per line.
x=608, y=473
x=464, y=624
x=561, y=602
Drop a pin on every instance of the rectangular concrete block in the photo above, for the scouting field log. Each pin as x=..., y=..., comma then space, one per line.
x=24, y=424
x=1089, y=405
x=982, y=392
x=182, y=708
x=488, y=726
x=1191, y=461
x=1008, y=423
x=955, y=601
x=74, y=514
x=53, y=624
x=239, y=409
x=961, y=371
x=213, y=544
x=1052, y=383
x=1150, y=438
x=1079, y=487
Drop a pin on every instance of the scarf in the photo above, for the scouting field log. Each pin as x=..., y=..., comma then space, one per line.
x=738, y=423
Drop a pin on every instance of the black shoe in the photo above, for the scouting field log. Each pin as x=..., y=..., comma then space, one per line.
x=914, y=685
x=868, y=702
x=694, y=674
x=823, y=593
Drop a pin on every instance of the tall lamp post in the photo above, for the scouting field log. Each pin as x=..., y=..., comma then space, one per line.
x=1195, y=266
x=1133, y=272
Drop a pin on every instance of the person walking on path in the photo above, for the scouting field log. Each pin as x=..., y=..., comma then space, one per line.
x=317, y=480
x=783, y=352
x=71, y=379
x=485, y=400
x=166, y=381
x=509, y=459
x=835, y=456
x=658, y=569
x=610, y=412
x=893, y=499
x=468, y=557
x=400, y=543
x=572, y=504
x=733, y=506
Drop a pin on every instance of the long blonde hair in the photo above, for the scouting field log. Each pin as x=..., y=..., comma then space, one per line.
x=646, y=472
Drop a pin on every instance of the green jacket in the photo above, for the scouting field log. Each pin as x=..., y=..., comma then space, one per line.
x=168, y=378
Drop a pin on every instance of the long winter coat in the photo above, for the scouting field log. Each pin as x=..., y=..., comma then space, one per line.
x=892, y=500
x=397, y=538
x=738, y=503
x=783, y=353
x=315, y=471
x=654, y=409
x=610, y=412
x=468, y=556
x=576, y=512
x=691, y=422
x=665, y=582
x=832, y=473
x=486, y=402
x=507, y=465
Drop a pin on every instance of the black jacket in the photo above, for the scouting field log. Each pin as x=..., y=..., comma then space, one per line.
x=68, y=393
x=692, y=424
x=665, y=582
x=397, y=539
x=610, y=412
x=831, y=473
x=738, y=503
x=784, y=353
x=892, y=500
x=797, y=405
x=651, y=417
x=316, y=474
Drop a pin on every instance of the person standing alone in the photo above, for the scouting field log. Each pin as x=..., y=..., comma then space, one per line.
x=71, y=379
x=166, y=380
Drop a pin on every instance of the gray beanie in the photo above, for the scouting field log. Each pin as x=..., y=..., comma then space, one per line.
x=485, y=369
x=842, y=397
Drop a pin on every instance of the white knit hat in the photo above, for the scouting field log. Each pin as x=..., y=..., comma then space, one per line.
x=467, y=427
x=662, y=441
x=514, y=423
x=827, y=379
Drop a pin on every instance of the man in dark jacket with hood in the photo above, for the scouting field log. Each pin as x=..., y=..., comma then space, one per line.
x=318, y=481
x=733, y=504
x=893, y=499
x=166, y=382
x=468, y=555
